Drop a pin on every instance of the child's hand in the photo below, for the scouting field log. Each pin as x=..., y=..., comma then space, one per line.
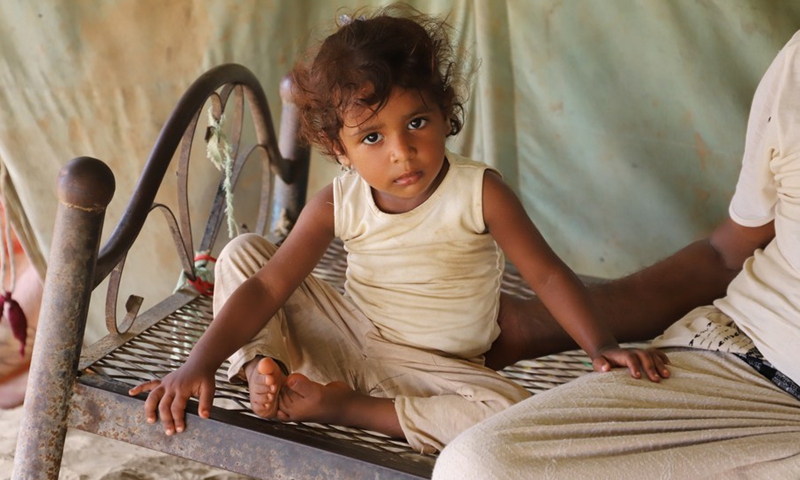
x=651, y=360
x=169, y=395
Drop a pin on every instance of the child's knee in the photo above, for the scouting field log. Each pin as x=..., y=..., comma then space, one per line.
x=247, y=249
x=241, y=258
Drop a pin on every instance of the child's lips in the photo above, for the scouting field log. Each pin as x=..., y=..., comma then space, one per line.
x=408, y=178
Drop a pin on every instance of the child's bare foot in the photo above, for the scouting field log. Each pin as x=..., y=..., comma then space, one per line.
x=264, y=381
x=303, y=400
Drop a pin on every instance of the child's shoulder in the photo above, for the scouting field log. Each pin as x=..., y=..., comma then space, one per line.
x=461, y=162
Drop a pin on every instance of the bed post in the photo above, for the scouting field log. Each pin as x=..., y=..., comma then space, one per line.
x=290, y=198
x=85, y=188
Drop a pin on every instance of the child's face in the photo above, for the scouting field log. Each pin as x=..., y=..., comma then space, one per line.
x=399, y=151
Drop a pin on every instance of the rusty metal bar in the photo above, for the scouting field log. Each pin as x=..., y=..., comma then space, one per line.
x=288, y=198
x=237, y=443
x=85, y=188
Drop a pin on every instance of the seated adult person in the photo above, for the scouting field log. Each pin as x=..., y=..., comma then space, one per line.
x=731, y=405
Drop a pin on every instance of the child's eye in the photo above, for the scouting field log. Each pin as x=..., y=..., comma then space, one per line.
x=417, y=123
x=372, y=138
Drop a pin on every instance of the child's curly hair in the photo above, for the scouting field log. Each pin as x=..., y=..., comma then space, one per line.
x=360, y=64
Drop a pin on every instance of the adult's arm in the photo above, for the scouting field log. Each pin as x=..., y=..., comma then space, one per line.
x=640, y=306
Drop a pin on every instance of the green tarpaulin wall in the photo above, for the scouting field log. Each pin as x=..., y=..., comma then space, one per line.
x=619, y=122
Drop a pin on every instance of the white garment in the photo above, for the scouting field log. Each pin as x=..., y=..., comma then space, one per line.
x=427, y=278
x=763, y=301
x=425, y=287
x=321, y=334
x=714, y=418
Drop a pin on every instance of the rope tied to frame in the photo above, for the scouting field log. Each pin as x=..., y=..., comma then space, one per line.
x=10, y=307
x=220, y=153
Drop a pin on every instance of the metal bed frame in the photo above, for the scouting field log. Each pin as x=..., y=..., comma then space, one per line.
x=87, y=388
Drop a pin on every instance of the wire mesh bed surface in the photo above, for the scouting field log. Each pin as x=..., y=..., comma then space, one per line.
x=165, y=345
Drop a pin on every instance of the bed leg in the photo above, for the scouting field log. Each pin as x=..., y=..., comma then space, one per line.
x=85, y=188
x=289, y=199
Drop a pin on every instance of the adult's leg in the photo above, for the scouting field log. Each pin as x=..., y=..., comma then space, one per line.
x=715, y=416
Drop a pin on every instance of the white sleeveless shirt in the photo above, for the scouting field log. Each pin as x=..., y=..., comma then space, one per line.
x=430, y=277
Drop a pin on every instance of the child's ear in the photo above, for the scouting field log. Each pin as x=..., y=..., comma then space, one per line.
x=343, y=160
x=341, y=156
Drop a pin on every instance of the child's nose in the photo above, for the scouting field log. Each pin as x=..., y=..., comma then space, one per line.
x=403, y=150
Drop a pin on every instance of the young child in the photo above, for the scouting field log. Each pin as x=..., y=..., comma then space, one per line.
x=425, y=231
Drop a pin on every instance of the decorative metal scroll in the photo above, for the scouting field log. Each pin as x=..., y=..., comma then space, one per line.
x=180, y=227
x=177, y=135
x=134, y=302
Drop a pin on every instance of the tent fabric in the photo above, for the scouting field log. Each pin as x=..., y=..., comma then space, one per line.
x=620, y=123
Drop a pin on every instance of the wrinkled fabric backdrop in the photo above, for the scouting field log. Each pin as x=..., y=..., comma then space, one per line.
x=619, y=123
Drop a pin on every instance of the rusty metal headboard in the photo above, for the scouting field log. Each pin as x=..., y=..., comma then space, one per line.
x=85, y=188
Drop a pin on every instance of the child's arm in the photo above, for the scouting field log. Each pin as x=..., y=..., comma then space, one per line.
x=559, y=288
x=244, y=314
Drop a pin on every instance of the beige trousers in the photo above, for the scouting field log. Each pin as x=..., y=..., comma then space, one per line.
x=715, y=417
x=321, y=334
